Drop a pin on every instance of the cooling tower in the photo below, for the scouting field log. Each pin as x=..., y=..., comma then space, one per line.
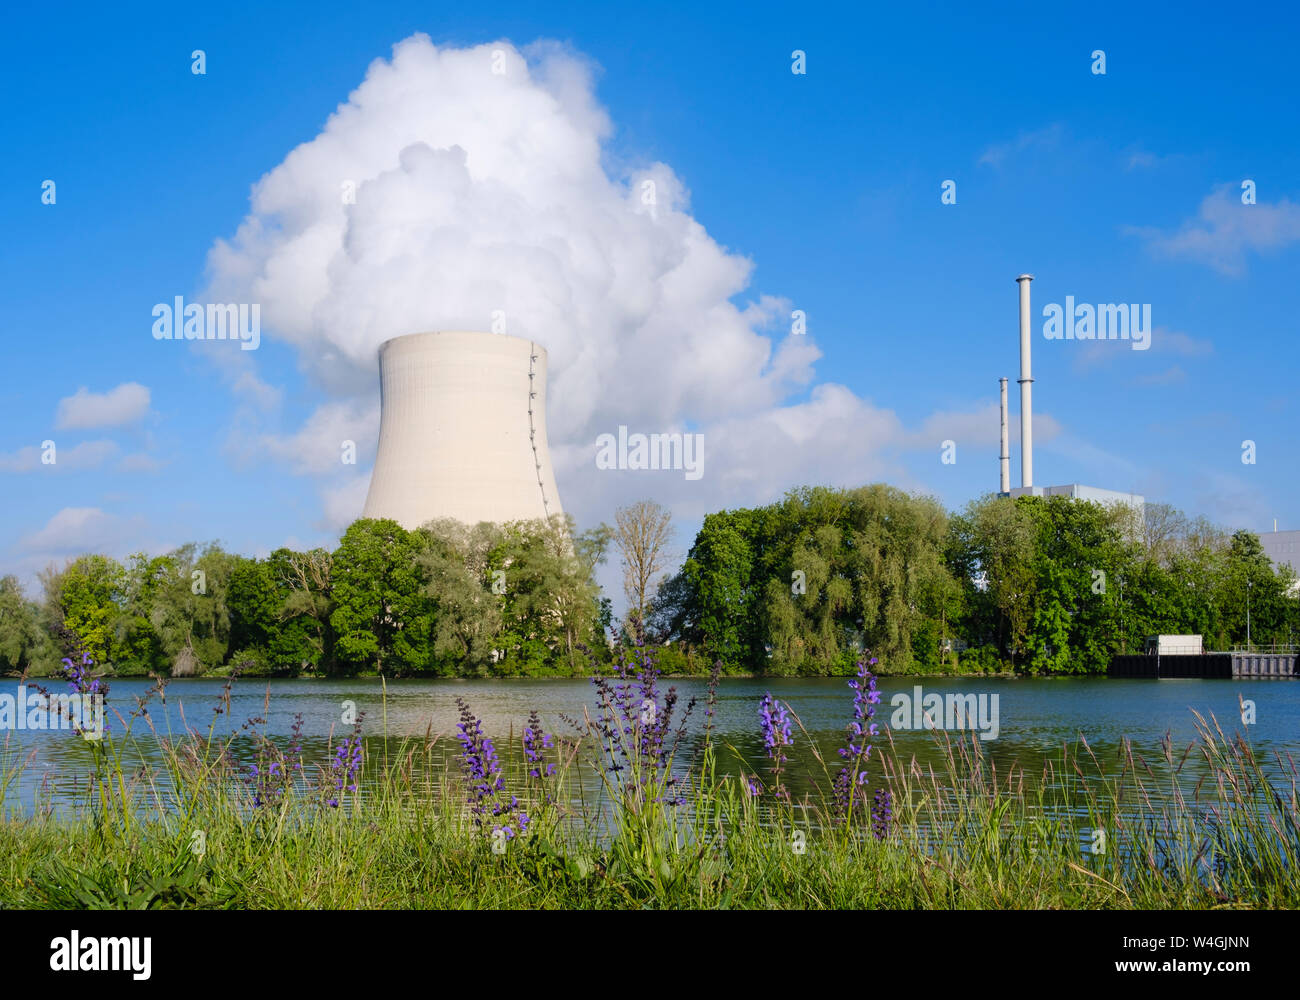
x=462, y=430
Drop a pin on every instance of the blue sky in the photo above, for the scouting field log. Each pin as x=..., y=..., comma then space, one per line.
x=1123, y=187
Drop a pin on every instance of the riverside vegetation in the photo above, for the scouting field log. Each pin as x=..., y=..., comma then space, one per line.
x=675, y=827
x=799, y=587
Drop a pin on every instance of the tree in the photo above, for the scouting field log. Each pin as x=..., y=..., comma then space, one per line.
x=991, y=551
x=83, y=597
x=642, y=533
x=381, y=614
x=139, y=645
x=672, y=615
x=24, y=645
x=1163, y=529
x=253, y=602
x=719, y=569
x=195, y=621
x=301, y=637
x=467, y=617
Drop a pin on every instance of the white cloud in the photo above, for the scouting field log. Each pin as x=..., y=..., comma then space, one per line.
x=477, y=191
x=83, y=410
x=1165, y=343
x=75, y=530
x=1230, y=500
x=343, y=502
x=1225, y=231
x=86, y=455
x=1143, y=159
x=998, y=154
x=139, y=462
x=979, y=427
x=1174, y=375
x=316, y=449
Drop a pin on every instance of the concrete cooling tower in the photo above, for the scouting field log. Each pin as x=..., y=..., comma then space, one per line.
x=462, y=430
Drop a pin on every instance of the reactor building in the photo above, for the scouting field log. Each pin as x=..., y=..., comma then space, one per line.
x=462, y=431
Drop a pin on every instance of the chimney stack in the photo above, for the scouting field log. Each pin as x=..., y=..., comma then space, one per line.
x=1026, y=381
x=1005, y=458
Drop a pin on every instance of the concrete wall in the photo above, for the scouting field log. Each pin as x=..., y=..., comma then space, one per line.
x=1208, y=665
x=463, y=430
x=1137, y=665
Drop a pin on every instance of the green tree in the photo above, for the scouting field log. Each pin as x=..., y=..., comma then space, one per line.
x=253, y=602
x=301, y=637
x=25, y=647
x=382, y=617
x=84, y=597
x=195, y=622
x=139, y=643
x=456, y=562
x=718, y=569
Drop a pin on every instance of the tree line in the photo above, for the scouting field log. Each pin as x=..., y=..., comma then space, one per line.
x=445, y=599
x=800, y=586
x=1035, y=585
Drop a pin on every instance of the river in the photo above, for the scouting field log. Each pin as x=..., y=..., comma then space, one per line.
x=1027, y=720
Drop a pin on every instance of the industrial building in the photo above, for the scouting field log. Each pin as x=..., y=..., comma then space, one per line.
x=1074, y=491
x=1283, y=547
x=462, y=431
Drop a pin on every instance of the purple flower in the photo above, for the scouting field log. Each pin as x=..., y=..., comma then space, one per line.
x=775, y=721
x=881, y=812
x=346, y=764
x=83, y=685
x=636, y=724
x=856, y=750
x=535, y=741
x=482, y=769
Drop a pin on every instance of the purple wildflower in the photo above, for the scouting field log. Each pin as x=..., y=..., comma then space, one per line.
x=535, y=741
x=346, y=764
x=86, y=687
x=636, y=723
x=482, y=769
x=882, y=812
x=856, y=750
x=776, y=735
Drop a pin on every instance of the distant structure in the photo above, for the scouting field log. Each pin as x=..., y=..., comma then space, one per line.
x=1077, y=492
x=1282, y=547
x=1004, y=459
x=1026, y=381
x=1027, y=488
x=462, y=430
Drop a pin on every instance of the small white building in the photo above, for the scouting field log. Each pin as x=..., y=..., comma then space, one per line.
x=1174, y=645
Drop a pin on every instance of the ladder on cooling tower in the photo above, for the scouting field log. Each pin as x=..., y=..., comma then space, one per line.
x=532, y=428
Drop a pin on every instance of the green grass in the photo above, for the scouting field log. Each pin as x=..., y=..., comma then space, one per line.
x=962, y=837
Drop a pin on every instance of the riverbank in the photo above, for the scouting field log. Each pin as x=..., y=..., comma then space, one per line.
x=207, y=830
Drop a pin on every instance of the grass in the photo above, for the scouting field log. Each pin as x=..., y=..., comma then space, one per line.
x=190, y=835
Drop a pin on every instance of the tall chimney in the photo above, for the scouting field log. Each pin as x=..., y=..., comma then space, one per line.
x=1005, y=458
x=1026, y=381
